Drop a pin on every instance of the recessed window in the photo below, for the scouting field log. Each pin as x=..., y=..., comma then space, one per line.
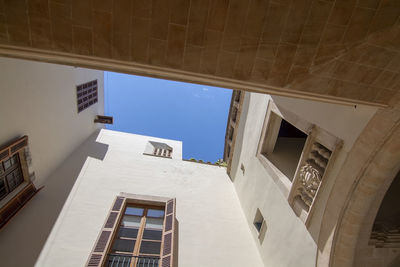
x=258, y=220
x=104, y=119
x=234, y=114
x=158, y=149
x=86, y=95
x=237, y=95
x=260, y=225
x=283, y=144
x=230, y=133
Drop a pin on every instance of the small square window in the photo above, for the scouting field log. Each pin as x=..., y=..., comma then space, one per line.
x=258, y=220
x=260, y=225
x=158, y=149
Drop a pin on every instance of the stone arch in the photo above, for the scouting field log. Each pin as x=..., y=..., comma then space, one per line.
x=353, y=223
x=377, y=251
x=354, y=200
x=358, y=217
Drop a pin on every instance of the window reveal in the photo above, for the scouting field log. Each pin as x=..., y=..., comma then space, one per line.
x=283, y=145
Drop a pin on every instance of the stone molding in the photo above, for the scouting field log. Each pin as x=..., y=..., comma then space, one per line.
x=371, y=165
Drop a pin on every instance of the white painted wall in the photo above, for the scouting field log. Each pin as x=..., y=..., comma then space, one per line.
x=212, y=228
x=39, y=100
x=343, y=121
x=287, y=241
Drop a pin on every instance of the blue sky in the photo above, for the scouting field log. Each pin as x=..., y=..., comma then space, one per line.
x=194, y=114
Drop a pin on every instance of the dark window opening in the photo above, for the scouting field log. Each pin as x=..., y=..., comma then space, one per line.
x=386, y=227
x=234, y=114
x=258, y=220
x=230, y=134
x=237, y=97
x=286, y=152
x=86, y=95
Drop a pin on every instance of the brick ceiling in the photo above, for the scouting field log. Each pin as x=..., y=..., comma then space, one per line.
x=345, y=49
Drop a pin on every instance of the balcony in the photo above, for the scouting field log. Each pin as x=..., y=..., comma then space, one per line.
x=119, y=260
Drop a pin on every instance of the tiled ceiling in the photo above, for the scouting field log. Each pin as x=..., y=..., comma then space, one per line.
x=344, y=48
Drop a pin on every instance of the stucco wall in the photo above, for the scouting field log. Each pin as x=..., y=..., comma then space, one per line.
x=287, y=241
x=39, y=100
x=212, y=228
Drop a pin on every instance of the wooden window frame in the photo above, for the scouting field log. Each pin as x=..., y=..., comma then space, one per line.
x=15, y=199
x=99, y=254
x=139, y=238
x=6, y=172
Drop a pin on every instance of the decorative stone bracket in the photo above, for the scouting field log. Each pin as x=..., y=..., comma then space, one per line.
x=310, y=174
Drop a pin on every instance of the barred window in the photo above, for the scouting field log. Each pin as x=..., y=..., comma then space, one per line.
x=86, y=95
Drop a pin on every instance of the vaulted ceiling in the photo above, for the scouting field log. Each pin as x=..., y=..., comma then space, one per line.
x=334, y=49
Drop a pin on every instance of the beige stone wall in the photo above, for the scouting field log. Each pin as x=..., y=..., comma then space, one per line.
x=330, y=49
x=372, y=164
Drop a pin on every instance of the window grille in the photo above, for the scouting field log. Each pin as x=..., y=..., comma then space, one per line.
x=86, y=95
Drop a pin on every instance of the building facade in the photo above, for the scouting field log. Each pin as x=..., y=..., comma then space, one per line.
x=40, y=101
x=286, y=158
x=308, y=183
x=210, y=227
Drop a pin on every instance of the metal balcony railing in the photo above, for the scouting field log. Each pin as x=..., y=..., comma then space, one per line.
x=119, y=260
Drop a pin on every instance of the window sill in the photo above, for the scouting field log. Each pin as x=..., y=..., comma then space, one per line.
x=148, y=154
x=13, y=193
x=14, y=203
x=281, y=180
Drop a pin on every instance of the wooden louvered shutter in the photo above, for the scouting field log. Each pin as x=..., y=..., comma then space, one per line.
x=99, y=253
x=167, y=259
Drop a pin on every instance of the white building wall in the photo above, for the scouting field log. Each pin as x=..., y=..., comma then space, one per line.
x=39, y=100
x=212, y=228
x=287, y=241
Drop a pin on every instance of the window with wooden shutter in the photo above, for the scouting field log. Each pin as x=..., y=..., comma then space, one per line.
x=167, y=258
x=99, y=253
x=136, y=234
